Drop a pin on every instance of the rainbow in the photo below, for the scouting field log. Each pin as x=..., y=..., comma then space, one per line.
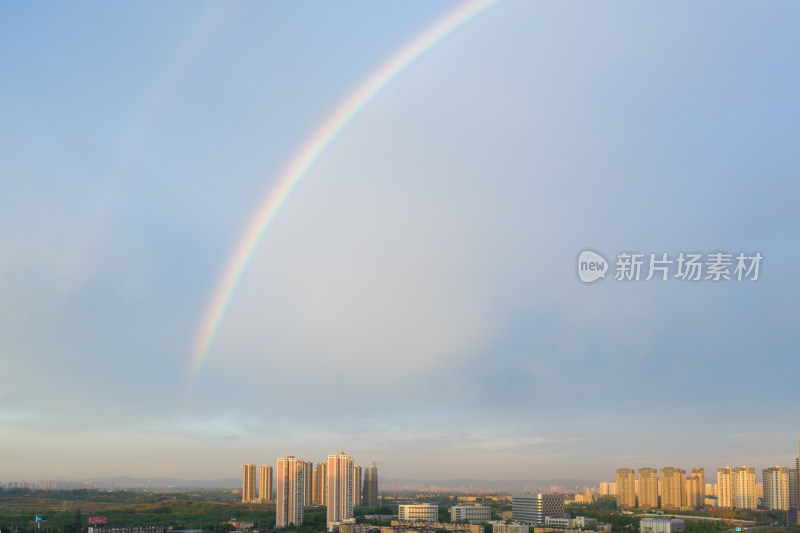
x=305, y=158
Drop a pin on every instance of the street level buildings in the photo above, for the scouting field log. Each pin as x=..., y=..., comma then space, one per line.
x=500, y=526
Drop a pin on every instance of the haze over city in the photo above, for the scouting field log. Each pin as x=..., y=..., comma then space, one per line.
x=413, y=299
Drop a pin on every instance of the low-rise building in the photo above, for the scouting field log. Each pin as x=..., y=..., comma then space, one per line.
x=427, y=512
x=449, y=526
x=661, y=525
x=499, y=526
x=349, y=526
x=474, y=514
x=547, y=529
x=127, y=529
x=430, y=527
x=559, y=522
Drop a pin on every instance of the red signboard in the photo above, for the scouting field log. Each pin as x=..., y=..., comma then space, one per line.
x=98, y=520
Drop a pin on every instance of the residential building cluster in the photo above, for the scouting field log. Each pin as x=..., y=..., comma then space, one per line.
x=677, y=489
x=336, y=483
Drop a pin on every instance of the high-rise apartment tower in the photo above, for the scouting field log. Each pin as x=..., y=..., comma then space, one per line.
x=265, y=483
x=340, y=488
x=371, y=485
x=291, y=490
x=248, y=483
x=648, y=488
x=626, y=488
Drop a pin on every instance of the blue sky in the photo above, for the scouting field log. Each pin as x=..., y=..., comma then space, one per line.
x=415, y=302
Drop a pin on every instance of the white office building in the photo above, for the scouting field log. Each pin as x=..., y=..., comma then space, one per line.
x=532, y=509
x=419, y=512
x=474, y=514
x=661, y=525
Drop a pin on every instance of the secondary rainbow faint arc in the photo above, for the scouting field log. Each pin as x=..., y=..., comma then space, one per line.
x=307, y=155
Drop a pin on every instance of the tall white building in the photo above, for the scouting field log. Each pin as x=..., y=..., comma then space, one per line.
x=725, y=487
x=340, y=488
x=531, y=509
x=744, y=488
x=776, y=488
x=291, y=491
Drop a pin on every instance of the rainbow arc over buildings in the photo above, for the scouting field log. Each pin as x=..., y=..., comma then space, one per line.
x=307, y=155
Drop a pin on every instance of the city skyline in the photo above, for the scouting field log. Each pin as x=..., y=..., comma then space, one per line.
x=267, y=229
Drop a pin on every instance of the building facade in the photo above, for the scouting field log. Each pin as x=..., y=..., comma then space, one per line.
x=653, y=525
x=696, y=489
x=532, y=509
x=265, y=488
x=474, y=514
x=673, y=488
x=648, y=488
x=579, y=522
x=370, y=496
x=626, y=488
x=291, y=491
x=514, y=527
x=776, y=488
x=357, y=485
x=248, y=483
x=744, y=488
x=418, y=512
x=320, y=484
x=725, y=487
x=340, y=488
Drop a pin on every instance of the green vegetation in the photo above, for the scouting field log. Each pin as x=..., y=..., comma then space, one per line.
x=209, y=511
